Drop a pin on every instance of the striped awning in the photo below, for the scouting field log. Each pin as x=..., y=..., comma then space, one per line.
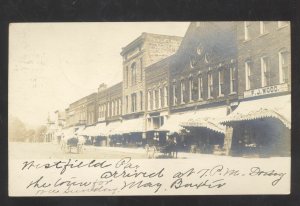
x=207, y=118
x=272, y=107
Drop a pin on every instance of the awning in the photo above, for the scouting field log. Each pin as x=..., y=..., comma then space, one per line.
x=98, y=130
x=172, y=123
x=275, y=107
x=87, y=131
x=112, y=128
x=207, y=118
x=130, y=126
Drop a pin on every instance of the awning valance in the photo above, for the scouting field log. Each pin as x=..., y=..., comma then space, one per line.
x=207, y=118
x=275, y=107
x=98, y=130
x=112, y=128
x=86, y=130
x=130, y=126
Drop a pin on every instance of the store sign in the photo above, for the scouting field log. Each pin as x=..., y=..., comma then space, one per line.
x=266, y=90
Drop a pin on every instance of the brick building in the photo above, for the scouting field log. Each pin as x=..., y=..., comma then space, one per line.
x=80, y=114
x=202, y=85
x=157, y=98
x=147, y=49
x=262, y=121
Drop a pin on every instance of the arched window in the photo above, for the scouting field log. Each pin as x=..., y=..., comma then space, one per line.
x=133, y=73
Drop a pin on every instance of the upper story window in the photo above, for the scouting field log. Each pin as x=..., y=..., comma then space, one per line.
x=174, y=94
x=141, y=66
x=248, y=74
x=159, y=98
x=282, y=23
x=126, y=104
x=112, y=108
x=247, y=30
x=127, y=76
x=149, y=100
x=232, y=80
x=156, y=94
x=120, y=106
x=190, y=89
x=153, y=99
x=182, y=89
x=265, y=70
x=108, y=109
x=133, y=73
x=221, y=82
x=262, y=27
x=141, y=100
x=200, y=87
x=210, y=85
x=283, y=67
x=133, y=102
x=165, y=96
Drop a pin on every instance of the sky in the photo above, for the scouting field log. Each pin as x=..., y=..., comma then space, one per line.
x=54, y=64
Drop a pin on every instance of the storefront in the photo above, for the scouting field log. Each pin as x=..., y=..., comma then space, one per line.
x=205, y=133
x=129, y=133
x=261, y=127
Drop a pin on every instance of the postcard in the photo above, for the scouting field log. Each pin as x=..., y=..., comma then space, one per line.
x=149, y=108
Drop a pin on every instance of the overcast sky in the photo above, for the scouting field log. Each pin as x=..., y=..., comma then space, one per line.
x=53, y=64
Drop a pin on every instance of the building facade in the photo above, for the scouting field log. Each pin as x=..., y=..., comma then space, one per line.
x=211, y=90
x=264, y=80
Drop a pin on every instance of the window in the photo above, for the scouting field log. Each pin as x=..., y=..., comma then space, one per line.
x=133, y=102
x=112, y=108
x=246, y=30
x=126, y=105
x=120, y=107
x=248, y=75
x=174, y=94
x=282, y=23
x=221, y=82
x=182, y=89
x=210, y=85
x=116, y=107
x=262, y=27
x=159, y=98
x=154, y=100
x=108, y=109
x=265, y=70
x=190, y=89
x=200, y=87
x=133, y=73
x=165, y=96
x=127, y=76
x=141, y=100
x=283, y=67
x=232, y=80
x=141, y=65
x=149, y=100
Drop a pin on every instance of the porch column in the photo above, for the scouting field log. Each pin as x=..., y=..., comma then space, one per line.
x=228, y=140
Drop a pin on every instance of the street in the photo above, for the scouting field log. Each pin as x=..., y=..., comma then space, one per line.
x=20, y=150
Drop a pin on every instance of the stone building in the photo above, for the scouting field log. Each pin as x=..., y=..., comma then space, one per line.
x=203, y=85
x=147, y=49
x=262, y=121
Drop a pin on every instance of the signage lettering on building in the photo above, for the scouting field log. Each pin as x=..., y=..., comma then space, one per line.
x=266, y=90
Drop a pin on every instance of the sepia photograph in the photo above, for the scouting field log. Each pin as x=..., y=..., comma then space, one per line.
x=196, y=106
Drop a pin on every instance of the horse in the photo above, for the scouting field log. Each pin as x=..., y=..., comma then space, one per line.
x=150, y=151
